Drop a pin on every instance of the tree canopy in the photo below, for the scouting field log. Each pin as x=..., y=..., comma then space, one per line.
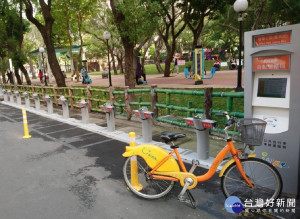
x=135, y=25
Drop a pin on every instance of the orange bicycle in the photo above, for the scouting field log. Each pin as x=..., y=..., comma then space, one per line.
x=150, y=171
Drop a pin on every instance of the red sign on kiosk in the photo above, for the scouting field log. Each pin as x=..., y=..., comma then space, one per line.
x=271, y=63
x=272, y=39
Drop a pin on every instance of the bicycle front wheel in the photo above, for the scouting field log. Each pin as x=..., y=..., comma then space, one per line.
x=265, y=178
x=147, y=187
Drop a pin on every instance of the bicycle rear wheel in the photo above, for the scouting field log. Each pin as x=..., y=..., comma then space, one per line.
x=265, y=178
x=151, y=188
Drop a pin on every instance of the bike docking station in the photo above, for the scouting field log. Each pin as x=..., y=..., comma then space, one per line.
x=84, y=111
x=5, y=97
x=26, y=99
x=11, y=96
x=202, y=127
x=146, y=117
x=65, y=107
x=110, y=116
x=272, y=94
x=1, y=91
x=36, y=99
x=48, y=100
x=18, y=97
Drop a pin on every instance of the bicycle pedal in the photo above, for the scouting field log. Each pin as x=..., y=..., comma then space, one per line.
x=191, y=201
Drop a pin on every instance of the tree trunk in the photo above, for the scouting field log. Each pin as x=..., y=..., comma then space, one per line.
x=113, y=61
x=19, y=81
x=4, y=78
x=169, y=59
x=76, y=70
x=31, y=69
x=54, y=65
x=129, y=64
x=157, y=61
x=120, y=64
x=23, y=69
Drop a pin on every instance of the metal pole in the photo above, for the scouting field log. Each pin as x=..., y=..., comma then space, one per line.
x=239, y=79
x=44, y=69
x=109, y=75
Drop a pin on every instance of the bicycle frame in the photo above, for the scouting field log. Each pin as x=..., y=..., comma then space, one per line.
x=212, y=170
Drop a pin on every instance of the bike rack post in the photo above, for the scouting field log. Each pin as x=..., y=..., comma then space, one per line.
x=48, y=100
x=65, y=106
x=18, y=97
x=1, y=90
x=26, y=99
x=110, y=116
x=146, y=117
x=133, y=165
x=84, y=111
x=36, y=99
x=11, y=97
x=5, y=96
x=202, y=127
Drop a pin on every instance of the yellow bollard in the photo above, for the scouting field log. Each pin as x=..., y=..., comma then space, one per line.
x=133, y=165
x=26, y=132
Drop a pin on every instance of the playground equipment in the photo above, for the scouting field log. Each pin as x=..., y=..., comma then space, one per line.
x=272, y=94
x=198, y=67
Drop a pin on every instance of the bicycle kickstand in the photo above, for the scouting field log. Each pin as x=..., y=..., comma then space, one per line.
x=181, y=198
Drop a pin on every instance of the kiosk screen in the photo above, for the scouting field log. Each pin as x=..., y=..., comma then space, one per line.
x=272, y=87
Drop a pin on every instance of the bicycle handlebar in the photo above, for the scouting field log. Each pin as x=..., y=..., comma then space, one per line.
x=229, y=123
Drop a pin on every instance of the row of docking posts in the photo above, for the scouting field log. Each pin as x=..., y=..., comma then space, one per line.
x=201, y=124
x=142, y=113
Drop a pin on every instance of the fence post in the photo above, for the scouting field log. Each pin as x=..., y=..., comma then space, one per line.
x=127, y=103
x=111, y=96
x=154, y=99
x=168, y=102
x=71, y=97
x=89, y=95
x=121, y=107
x=207, y=102
x=189, y=106
x=55, y=94
x=229, y=104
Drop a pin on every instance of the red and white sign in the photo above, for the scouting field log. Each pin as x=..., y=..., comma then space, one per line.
x=189, y=121
x=181, y=62
x=271, y=63
x=272, y=39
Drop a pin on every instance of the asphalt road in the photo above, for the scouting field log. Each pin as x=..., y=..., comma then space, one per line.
x=67, y=172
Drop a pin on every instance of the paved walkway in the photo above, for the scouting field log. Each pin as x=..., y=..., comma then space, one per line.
x=67, y=172
x=222, y=79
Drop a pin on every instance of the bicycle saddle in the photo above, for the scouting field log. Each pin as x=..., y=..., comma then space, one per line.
x=170, y=136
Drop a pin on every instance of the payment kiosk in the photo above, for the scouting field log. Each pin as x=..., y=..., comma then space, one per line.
x=272, y=89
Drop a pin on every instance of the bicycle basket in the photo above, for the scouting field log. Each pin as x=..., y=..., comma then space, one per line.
x=252, y=131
